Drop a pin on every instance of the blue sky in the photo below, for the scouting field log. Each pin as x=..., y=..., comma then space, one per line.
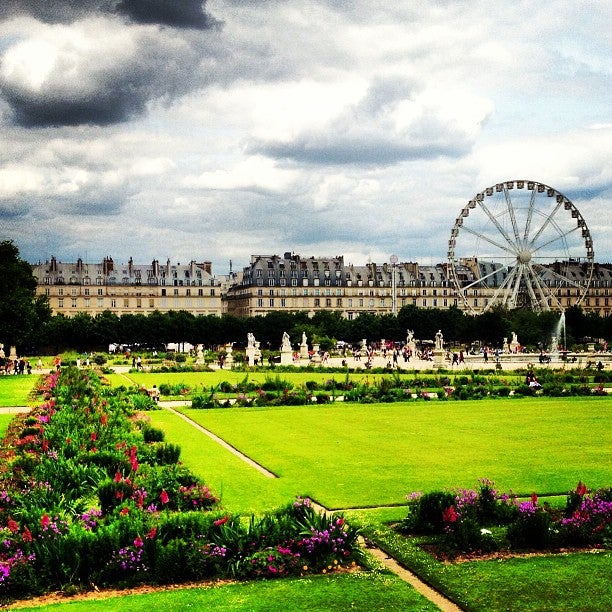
x=217, y=130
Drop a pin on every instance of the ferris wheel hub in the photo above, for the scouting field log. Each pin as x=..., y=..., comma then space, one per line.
x=524, y=256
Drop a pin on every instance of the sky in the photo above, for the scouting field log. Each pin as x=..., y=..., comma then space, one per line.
x=213, y=131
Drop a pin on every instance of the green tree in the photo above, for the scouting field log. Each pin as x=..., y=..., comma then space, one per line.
x=22, y=314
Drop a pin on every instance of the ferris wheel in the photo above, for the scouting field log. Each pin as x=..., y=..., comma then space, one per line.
x=520, y=244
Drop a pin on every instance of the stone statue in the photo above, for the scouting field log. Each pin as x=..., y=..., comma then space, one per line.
x=286, y=345
x=250, y=340
x=439, y=340
x=304, y=339
x=409, y=336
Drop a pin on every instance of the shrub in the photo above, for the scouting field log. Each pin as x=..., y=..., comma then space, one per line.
x=425, y=512
x=533, y=527
x=152, y=434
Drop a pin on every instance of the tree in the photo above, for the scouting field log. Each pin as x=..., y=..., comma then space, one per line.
x=22, y=314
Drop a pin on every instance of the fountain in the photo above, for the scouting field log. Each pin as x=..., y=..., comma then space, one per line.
x=560, y=334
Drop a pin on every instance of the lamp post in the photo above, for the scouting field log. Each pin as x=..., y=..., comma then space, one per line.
x=393, y=260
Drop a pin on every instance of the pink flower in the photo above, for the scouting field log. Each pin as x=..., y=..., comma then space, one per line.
x=44, y=521
x=221, y=521
x=164, y=497
x=138, y=543
x=12, y=525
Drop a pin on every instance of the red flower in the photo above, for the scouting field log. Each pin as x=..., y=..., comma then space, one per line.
x=104, y=420
x=138, y=543
x=221, y=521
x=581, y=489
x=117, y=477
x=13, y=525
x=164, y=497
x=450, y=515
x=534, y=499
x=124, y=511
x=68, y=440
x=45, y=445
x=152, y=533
x=44, y=521
x=27, y=535
x=93, y=436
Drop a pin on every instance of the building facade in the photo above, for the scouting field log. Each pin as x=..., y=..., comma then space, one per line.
x=128, y=288
x=294, y=283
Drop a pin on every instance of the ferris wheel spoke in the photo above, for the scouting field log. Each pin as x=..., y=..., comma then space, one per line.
x=479, y=280
x=499, y=227
x=517, y=284
x=561, y=236
x=492, y=242
x=504, y=288
x=563, y=280
x=517, y=239
x=544, y=292
x=530, y=209
x=547, y=222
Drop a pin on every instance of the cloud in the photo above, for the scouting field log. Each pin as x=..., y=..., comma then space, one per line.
x=395, y=121
x=92, y=73
x=175, y=13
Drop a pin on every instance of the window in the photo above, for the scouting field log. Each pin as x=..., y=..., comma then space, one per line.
x=271, y=302
x=317, y=302
x=87, y=302
x=74, y=303
x=60, y=303
x=100, y=302
x=126, y=303
x=113, y=303
x=260, y=303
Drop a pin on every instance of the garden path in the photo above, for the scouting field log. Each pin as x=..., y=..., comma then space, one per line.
x=221, y=441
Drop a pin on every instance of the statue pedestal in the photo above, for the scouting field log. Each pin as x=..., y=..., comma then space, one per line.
x=250, y=355
x=229, y=358
x=438, y=358
x=304, y=351
x=286, y=357
x=316, y=356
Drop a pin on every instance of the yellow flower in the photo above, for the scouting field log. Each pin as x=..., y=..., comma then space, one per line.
x=335, y=561
x=305, y=568
x=324, y=571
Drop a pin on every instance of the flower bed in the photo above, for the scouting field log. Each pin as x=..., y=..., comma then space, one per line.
x=482, y=521
x=91, y=495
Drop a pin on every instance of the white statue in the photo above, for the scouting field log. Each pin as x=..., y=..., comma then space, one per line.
x=250, y=340
x=409, y=336
x=286, y=345
x=439, y=340
x=304, y=339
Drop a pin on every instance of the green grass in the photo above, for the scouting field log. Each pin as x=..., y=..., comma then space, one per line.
x=14, y=390
x=5, y=419
x=353, y=455
x=210, y=379
x=366, y=591
x=543, y=582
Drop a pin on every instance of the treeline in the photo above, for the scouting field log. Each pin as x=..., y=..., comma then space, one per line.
x=87, y=333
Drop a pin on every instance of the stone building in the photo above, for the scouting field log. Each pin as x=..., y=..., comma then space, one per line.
x=294, y=283
x=128, y=288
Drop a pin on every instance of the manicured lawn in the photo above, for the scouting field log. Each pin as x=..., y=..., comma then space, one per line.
x=568, y=581
x=5, y=419
x=210, y=379
x=352, y=455
x=363, y=591
x=14, y=390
